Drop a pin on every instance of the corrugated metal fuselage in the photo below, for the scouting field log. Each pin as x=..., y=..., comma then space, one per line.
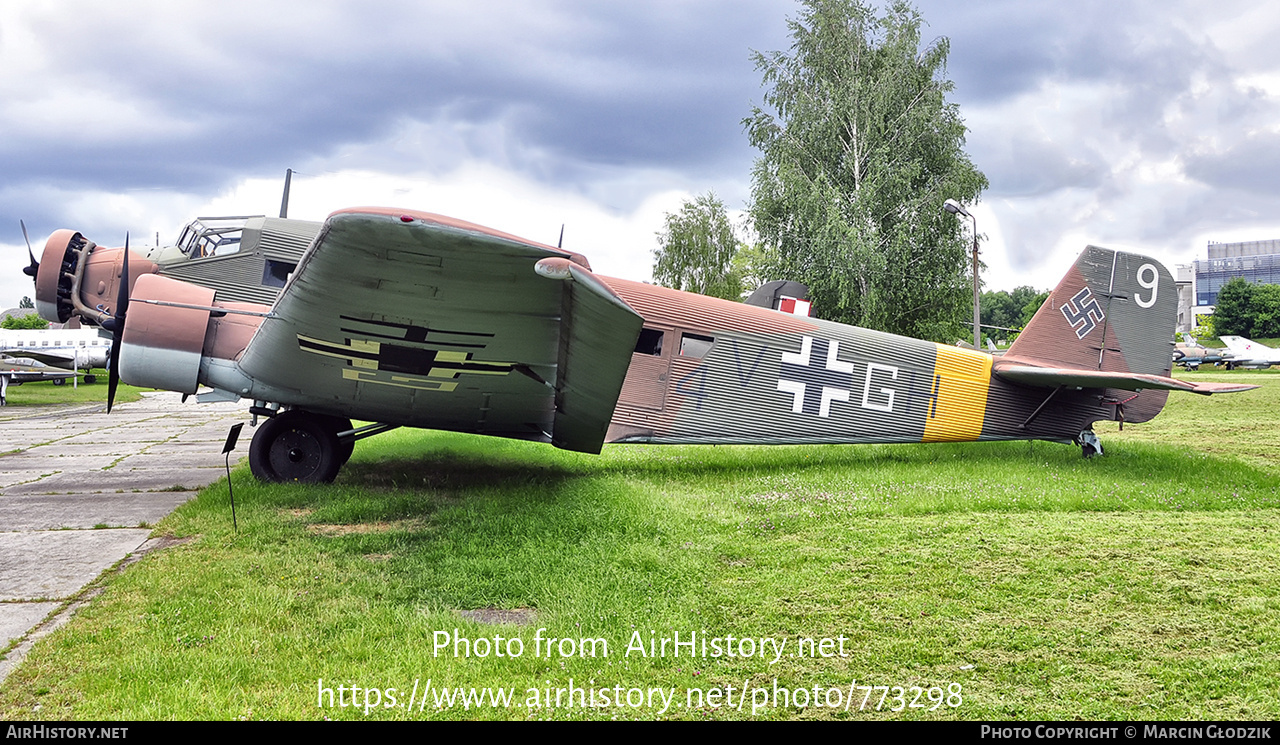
x=723, y=372
x=244, y=275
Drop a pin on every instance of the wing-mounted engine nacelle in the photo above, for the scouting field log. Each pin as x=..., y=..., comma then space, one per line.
x=80, y=278
x=164, y=336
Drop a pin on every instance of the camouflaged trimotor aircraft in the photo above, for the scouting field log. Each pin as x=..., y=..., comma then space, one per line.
x=413, y=319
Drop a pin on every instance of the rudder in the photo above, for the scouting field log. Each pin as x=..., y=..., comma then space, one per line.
x=1113, y=311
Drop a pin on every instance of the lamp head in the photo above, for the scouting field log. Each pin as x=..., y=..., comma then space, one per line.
x=954, y=208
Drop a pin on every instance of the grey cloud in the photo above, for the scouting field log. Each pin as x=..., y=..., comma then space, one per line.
x=1026, y=167
x=577, y=93
x=653, y=84
x=1252, y=165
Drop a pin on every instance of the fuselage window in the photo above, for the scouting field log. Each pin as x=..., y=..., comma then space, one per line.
x=276, y=273
x=650, y=342
x=695, y=345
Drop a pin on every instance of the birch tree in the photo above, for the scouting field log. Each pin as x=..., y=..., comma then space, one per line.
x=696, y=248
x=859, y=149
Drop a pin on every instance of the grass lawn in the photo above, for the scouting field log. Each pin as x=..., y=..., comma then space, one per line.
x=976, y=581
x=45, y=393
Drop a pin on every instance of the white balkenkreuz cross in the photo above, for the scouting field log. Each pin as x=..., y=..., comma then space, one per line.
x=814, y=387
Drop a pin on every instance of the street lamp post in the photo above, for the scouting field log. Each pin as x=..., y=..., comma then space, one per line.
x=954, y=208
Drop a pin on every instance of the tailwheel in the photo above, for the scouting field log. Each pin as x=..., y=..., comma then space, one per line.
x=296, y=447
x=1090, y=445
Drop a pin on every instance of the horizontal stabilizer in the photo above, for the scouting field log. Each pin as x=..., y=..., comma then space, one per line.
x=1050, y=377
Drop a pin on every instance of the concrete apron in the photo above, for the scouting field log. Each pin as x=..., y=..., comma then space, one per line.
x=81, y=493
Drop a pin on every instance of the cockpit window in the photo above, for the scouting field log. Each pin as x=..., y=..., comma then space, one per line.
x=211, y=236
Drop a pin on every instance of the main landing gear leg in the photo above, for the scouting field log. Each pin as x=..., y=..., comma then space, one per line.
x=298, y=447
x=1089, y=443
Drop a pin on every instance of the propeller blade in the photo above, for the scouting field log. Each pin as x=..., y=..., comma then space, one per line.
x=113, y=377
x=33, y=268
x=117, y=328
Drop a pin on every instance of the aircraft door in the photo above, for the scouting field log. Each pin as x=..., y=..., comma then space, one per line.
x=646, y=384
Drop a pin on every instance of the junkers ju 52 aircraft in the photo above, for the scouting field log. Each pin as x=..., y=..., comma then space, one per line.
x=413, y=319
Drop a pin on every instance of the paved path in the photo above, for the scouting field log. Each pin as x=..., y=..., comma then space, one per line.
x=80, y=490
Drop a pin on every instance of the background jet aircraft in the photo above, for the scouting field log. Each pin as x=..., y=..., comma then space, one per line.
x=413, y=319
x=78, y=349
x=16, y=371
x=1190, y=354
x=1249, y=354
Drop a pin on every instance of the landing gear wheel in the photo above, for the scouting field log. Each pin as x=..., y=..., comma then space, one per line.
x=91, y=379
x=59, y=381
x=295, y=447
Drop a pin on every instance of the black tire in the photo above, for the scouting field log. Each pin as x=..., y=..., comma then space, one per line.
x=338, y=424
x=59, y=381
x=91, y=379
x=295, y=447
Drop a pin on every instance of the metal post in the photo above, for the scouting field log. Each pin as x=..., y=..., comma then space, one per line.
x=977, y=323
x=284, y=201
x=954, y=208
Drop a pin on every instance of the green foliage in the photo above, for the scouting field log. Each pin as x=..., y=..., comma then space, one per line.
x=1231, y=313
x=1265, y=308
x=1012, y=310
x=26, y=302
x=751, y=265
x=1031, y=306
x=696, y=250
x=27, y=322
x=1246, y=309
x=848, y=190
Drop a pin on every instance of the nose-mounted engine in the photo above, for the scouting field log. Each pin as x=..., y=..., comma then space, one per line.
x=173, y=326
x=78, y=278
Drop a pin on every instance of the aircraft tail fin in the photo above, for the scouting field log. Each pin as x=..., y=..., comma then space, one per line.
x=1241, y=345
x=1108, y=324
x=1112, y=312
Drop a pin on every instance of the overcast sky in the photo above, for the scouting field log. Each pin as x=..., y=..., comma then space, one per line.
x=1146, y=125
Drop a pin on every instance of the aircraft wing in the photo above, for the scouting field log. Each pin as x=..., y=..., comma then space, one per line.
x=416, y=319
x=1049, y=377
x=49, y=357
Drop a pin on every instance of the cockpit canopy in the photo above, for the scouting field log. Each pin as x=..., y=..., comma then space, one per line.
x=212, y=236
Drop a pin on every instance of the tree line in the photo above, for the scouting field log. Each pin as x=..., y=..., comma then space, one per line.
x=1247, y=309
x=1005, y=313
